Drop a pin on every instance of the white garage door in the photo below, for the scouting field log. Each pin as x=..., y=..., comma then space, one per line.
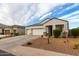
x=37, y=31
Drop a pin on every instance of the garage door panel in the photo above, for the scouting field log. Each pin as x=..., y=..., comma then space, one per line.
x=37, y=31
x=7, y=31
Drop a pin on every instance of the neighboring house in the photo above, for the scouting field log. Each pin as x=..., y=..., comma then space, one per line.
x=48, y=25
x=2, y=26
x=14, y=29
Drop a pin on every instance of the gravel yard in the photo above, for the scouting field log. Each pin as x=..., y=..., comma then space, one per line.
x=62, y=45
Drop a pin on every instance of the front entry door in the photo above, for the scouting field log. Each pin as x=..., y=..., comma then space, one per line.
x=49, y=30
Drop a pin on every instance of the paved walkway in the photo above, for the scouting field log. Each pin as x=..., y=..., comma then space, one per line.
x=13, y=45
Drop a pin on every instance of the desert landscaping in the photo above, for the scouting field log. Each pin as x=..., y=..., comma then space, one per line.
x=62, y=45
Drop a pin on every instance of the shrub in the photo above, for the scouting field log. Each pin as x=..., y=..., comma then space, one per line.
x=41, y=36
x=16, y=34
x=76, y=46
x=56, y=33
x=75, y=32
x=29, y=43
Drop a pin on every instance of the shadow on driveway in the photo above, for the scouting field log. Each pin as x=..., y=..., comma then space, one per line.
x=4, y=53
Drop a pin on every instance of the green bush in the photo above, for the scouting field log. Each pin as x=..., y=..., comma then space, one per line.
x=76, y=46
x=56, y=33
x=75, y=32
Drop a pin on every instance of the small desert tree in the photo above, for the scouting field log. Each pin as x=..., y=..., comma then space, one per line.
x=49, y=38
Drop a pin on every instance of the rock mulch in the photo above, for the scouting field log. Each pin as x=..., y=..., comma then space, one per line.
x=62, y=45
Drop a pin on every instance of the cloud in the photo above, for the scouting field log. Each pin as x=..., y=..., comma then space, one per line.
x=41, y=9
x=68, y=8
x=4, y=15
x=25, y=13
x=19, y=11
x=70, y=15
x=74, y=17
x=75, y=20
x=44, y=16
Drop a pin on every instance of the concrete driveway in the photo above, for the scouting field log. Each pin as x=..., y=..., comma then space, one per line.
x=9, y=43
x=13, y=45
x=13, y=41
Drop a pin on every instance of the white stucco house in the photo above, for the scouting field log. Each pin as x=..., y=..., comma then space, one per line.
x=47, y=25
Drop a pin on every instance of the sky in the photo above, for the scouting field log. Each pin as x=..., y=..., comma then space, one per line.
x=30, y=13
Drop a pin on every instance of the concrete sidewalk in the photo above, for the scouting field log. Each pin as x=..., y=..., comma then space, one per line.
x=28, y=51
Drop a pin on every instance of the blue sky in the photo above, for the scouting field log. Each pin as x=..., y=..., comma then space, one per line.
x=30, y=13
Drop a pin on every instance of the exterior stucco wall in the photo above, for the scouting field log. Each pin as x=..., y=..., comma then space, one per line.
x=21, y=31
x=0, y=30
x=10, y=29
x=57, y=22
x=28, y=31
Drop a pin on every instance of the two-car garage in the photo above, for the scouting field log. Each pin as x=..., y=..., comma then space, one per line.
x=36, y=31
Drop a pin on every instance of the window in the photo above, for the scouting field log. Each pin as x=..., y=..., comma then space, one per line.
x=59, y=27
